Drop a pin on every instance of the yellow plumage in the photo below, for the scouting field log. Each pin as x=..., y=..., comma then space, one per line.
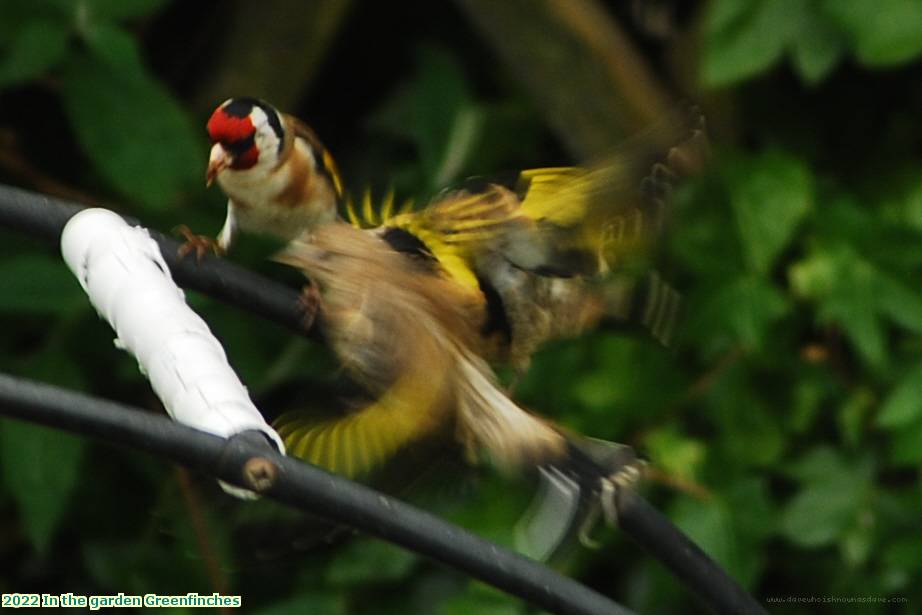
x=354, y=445
x=416, y=302
x=410, y=339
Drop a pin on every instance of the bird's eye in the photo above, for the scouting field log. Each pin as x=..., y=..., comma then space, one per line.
x=240, y=146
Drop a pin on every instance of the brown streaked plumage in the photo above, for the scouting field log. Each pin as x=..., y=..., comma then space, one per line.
x=410, y=336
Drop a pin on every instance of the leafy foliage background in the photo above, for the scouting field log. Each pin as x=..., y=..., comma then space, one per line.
x=786, y=422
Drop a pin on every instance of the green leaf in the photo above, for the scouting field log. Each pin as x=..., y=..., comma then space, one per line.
x=746, y=307
x=816, y=465
x=725, y=14
x=901, y=302
x=857, y=544
x=136, y=562
x=911, y=204
x=905, y=554
x=752, y=508
x=508, y=130
x=817, y=48
x=905, y=446
x=819, y=514
x=855, y=294
x=37, y=47
x=750, y=430
x=18, y=15
x=884, y=32
x=654, y=383
x=676, y=454
x=754, y=518
x=370, y=561
x=312, y=602
x=136, y=134
x=746, y=37
x=118, y=10
x=833, y=492
x=852, y=416
x=39, y=284
x=810, y=394
x=710, y=525
x=751, y=433
x=847, y=288
x=770, y=194
x=41, y=468
x=116, y=48
x=491, y=510
x=474, y=600
x=436, y=112
x=596, y=390
x=904, y=403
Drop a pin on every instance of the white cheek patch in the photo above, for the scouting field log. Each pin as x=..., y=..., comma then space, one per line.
x=265, y=138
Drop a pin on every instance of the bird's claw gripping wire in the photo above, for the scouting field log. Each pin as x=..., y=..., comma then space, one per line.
x=200, y=244
x=628, y=476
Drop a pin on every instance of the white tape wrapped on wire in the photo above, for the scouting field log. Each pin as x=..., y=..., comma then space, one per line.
x=123, y=273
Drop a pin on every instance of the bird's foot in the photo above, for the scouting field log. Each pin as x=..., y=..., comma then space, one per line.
x=626, y=477
x=309, y=304
x=200, y=244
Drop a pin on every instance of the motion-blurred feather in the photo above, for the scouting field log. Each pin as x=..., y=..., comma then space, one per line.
x=409, y=335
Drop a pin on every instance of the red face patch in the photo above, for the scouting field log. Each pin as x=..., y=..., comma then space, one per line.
x=246, y=159
x=225, y=128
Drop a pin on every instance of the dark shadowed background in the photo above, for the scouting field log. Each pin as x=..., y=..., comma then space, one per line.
x=784, y=426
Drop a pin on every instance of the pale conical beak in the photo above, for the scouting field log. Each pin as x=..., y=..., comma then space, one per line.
x=217, y=162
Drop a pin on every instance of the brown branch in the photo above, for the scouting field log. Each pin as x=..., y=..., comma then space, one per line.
x=578, y=66
x=707, y=380
x=203, y=541
x=271, y=50
x=692, y=488
x=628, y=71
x=22, y=170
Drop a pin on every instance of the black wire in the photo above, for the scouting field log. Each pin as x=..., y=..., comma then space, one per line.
x=664, y=541
x=45, y=217
x=304, y=486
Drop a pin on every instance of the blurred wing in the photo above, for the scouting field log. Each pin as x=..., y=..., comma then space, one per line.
x=356, y=444
x=611, y=207
x=564, y=221
x=648, y=302
x=459, y=225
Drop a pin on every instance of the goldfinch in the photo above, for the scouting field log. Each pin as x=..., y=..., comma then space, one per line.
x=277, y=175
